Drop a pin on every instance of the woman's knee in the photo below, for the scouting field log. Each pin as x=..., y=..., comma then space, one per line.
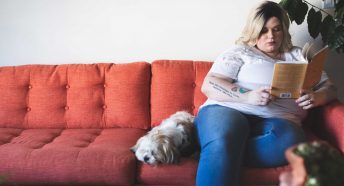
x=288, y=131
x=278, y=135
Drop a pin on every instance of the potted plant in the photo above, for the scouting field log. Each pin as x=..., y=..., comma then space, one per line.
x=313, y=164
x=330, y=27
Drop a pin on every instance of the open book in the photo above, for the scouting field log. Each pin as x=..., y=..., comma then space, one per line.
x=289, y=78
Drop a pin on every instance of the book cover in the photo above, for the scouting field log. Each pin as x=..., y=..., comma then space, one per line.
x=290, y=77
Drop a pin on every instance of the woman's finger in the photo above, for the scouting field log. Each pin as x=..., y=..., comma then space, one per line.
x=303, y=98
x=307, y=104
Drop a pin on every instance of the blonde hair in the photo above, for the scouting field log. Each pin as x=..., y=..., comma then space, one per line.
x=256, y=21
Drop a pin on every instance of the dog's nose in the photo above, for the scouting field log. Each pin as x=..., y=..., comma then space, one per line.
x=146, y=158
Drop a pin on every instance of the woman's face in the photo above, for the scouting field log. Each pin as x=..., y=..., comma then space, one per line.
x=271, y=36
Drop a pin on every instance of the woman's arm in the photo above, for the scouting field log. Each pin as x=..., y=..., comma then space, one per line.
x=323, y=95
x=221, y=88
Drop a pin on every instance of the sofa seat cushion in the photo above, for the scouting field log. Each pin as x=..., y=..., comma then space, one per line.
x=261, y=176
x=174, y=174
x=183, y=173
x=73, y=156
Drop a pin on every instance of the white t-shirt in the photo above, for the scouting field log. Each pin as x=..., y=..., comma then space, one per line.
x=250, y=68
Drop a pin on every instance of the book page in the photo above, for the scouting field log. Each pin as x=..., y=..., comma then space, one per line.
x=305, y=50
x=315, y=68
x=288, y=79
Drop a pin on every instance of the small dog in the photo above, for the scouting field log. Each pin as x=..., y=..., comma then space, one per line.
x=165, y=143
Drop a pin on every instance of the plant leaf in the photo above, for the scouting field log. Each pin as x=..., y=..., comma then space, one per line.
x=339, y=12
x=284, y=4
x=339, y=5
x=314, y=22
x=301, y=12
x=291, y=7
x=336, y=40
x=327, y=28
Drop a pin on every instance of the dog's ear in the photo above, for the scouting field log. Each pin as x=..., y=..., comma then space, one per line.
x=133, y=148
x=170, y=153
x=136, y=146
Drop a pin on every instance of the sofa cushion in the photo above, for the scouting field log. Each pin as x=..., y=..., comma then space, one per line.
x=333, y=115
x=173, y=174
x=73, y=156
x=75, y=96
x=183, y=173
x=176, y=85
x=261, y=176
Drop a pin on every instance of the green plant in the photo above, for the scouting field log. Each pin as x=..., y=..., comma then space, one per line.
x=331, y=27
x=324, y=164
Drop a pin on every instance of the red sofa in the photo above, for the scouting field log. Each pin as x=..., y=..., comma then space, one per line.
x=74, y=124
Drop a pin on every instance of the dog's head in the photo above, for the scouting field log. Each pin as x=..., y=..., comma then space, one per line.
x=155, y=148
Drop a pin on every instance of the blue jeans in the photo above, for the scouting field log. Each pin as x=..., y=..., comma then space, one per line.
x=229, y=138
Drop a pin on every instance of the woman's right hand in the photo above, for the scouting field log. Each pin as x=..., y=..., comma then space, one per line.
x=260, y=96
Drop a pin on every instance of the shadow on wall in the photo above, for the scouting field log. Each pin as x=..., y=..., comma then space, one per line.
x=335, y=68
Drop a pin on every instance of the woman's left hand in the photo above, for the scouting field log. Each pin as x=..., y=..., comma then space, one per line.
x=307, y=100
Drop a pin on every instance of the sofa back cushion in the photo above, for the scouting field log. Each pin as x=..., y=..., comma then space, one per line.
x=176, y=85
x=75, y=96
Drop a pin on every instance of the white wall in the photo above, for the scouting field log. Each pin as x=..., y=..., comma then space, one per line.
x=86, y=31
x=90, y=31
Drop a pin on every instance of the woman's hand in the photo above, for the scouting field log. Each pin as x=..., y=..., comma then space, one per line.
x=323, y=95
x=309, y=99
x=260, y=96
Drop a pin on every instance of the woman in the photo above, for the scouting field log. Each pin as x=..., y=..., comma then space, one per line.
x=241, y=122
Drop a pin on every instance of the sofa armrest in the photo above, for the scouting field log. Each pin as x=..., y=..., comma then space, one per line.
x=329, y=123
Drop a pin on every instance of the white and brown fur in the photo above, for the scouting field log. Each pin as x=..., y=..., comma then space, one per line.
x=165, y=143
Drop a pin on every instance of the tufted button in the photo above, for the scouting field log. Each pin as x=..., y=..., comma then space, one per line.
x=30, y=86
x=67, y=86
x=104, y=106
x=28, y=109
x=193, y=85
x=193, y=107
x=66, y=108
x=104, y=85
